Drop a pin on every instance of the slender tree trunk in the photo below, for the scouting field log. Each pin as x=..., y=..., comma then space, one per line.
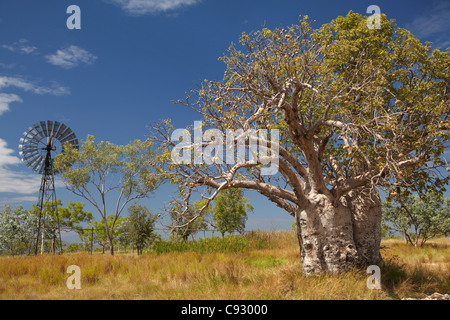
x=325, y=235
x=53, y=246
x=111, y=246
x=43, y=236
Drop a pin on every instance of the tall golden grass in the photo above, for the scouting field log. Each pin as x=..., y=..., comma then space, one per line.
x=270, y=273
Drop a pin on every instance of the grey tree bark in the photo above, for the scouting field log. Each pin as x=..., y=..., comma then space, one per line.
x=325, y=235
x=366, y=220
x=338, y=238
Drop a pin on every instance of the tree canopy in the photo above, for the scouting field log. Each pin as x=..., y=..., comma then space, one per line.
x=230, y=211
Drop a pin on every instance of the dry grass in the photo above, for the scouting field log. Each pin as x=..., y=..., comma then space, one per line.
x=273, y=273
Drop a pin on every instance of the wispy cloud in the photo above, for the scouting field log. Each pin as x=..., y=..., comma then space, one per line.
x=71, y=57
x=12, y=181
x=6, y=99
x=21, y=46
x=7, y=65
x=433, y=25
x=18, y=200
x=16, y=82
x=140, y=7
x=55, y=89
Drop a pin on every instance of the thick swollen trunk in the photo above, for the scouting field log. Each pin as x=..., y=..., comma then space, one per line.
x=325, y=235
x=366, y=219
x=336, y=239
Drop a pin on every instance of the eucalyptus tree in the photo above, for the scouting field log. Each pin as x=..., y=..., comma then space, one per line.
x=417, y=218
x=108, y=176
x=230, y=211
x=140, y=227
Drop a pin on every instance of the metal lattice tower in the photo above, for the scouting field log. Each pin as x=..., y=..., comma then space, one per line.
x=36, y=148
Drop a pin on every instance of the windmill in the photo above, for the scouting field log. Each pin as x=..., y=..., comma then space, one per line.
x=38, y=147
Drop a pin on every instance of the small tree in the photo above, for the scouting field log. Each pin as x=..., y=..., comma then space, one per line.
x=16, y=231
x=140, y=226
x=182, y=217
x=230, y=211
x=70, y=217
x=96, y=170
x=95, y=233
x=418, y=219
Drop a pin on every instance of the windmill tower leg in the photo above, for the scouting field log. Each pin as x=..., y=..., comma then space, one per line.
x=47, y=201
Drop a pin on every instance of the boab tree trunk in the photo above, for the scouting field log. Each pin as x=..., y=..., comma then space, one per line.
x=366, y=221
x=337, y=238
x=325, y=235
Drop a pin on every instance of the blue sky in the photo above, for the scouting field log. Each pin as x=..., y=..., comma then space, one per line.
x=131, y=58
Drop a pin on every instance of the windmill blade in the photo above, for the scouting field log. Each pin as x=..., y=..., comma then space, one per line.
x=29, y=149
x=61, y=129
x=34, y=161
x=65, y=134
x=44, y=128
x=24, y=142
x=75, y=143
x=39, y=165
x=49, y=125
x=69, y=137
x=31, y=132
x=54, y=129
x=30, y=157
x=30, y=137
x=39, y=130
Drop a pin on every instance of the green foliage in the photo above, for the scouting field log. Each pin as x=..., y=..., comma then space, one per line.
x=95, y=232
x=97, y=169
x=17, y=228
x=140, y=227
x=70, y=217
x=228, y=243
x=358, y=107
x=75, y=247
x=230, y=211
x=187, y=222
x=418, y=219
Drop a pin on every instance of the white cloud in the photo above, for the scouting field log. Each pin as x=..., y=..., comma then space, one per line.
x=6, y=99
x=25, y=85
x=15, y=82
x=21, y=46
x=19, y=200
x=140, y=7
x=71, y=57
x=15, y=182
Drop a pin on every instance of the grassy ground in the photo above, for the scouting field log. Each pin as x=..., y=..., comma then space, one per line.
x=270, y=271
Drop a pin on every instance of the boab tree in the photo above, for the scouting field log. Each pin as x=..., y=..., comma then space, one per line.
x=355, y=107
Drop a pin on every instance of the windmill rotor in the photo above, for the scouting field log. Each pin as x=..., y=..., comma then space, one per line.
x=41, y=138
x=38, y=146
